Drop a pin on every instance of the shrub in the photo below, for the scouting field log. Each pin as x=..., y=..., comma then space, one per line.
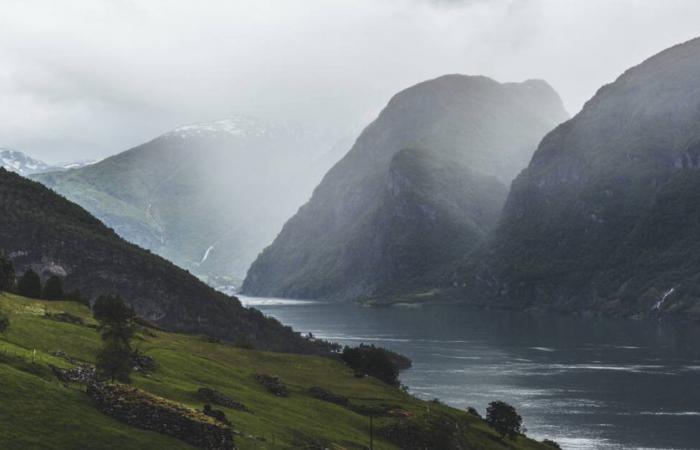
x=29, y=284
x=53, y=289
x=373, y=361
x=503, y=418
x=4, y=322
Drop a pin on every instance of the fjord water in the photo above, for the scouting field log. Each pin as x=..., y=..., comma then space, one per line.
x=589, y=383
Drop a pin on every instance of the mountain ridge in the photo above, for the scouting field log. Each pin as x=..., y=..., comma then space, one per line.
x=603, y=220
x=53, y=236
x=337, y=242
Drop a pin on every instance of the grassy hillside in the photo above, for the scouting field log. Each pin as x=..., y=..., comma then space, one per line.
x=39, y=412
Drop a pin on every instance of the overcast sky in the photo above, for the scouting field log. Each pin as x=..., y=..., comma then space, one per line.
x=92, y=78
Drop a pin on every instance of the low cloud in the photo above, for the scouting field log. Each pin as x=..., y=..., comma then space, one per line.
x=87, y=79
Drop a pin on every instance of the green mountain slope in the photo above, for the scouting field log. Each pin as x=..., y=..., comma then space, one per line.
x=207, y=196
x=421, y=186
x=70, y=420
x=42, y=230
x=605, y=218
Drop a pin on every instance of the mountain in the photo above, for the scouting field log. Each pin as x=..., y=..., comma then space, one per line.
x=18, y=162
x=420, y=187
x=42, y=230
x=606, y=217
x=207, y=196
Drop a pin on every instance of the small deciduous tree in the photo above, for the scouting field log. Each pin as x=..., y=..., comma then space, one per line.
x=114, y=360
x=374, y=361
x=503, y=418
x=29, y=284
x=53, y=289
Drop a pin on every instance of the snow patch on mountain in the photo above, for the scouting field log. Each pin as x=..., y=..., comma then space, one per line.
x=18, y=162
x=237, y=126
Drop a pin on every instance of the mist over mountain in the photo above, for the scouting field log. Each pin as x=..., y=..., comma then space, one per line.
x=207, y=196
x=53, y=236
x=421, y=186
x=605, y=218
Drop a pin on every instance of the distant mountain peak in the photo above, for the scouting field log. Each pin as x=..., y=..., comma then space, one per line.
x=243, y=126
x=18, y=162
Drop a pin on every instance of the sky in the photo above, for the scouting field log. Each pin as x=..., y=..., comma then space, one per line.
x=87, y=79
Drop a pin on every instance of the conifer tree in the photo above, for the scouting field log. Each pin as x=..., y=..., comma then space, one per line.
x=53, y=289
x=7, y=274
x=29, y=284
x=114, y=360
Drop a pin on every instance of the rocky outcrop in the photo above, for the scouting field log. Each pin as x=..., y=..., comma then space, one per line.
x=208, y=395
x=273, y=384
x=142, y=410
x=82, y=373
x=327, y=396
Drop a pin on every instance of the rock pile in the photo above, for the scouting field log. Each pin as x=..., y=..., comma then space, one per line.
x=217, y=414
x=82, y=373
x=217, y=398
x=272, y=384
x=143, y=363
x=327, y=396
x=140, y=409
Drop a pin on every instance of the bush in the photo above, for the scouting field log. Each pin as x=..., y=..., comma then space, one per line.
x=53, y=289
x=551, y=443
x=4, y=322
x=503, y=418
x=29, y=284
x=373, y=361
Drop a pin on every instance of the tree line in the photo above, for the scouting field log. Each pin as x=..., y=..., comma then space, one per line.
x=29, y=284
x=116, y=319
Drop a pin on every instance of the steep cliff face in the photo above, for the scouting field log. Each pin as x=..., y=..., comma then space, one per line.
x=419, y=188
x=42, y=230
x=605, y=218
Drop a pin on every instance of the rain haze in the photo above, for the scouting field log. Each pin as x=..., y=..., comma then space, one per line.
x=89, y=79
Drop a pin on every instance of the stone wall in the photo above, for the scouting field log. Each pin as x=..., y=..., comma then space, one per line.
x=140, y=409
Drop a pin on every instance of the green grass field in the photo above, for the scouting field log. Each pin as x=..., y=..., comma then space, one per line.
x=38, y=412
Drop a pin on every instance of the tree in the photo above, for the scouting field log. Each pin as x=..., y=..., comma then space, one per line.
x=7, y=274
x=114, y=360
x=53, y=289
x=503, y=418
x=29, y=284
x=374, y=361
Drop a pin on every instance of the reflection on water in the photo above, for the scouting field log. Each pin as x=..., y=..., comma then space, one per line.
x=587, y=383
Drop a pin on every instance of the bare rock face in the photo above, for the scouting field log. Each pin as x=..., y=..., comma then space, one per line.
x=604, y=219
x=140, y=409
x=421, y=186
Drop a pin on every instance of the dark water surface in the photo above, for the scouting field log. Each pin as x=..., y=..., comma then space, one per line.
x=587, y=383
